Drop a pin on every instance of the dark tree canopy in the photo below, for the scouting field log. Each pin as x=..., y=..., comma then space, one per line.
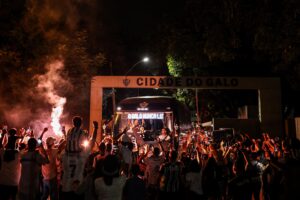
x=182, y=37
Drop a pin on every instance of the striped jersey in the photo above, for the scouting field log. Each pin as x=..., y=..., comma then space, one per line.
x=75, y=138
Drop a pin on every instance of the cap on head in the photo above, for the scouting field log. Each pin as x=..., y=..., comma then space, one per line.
x=50, y=141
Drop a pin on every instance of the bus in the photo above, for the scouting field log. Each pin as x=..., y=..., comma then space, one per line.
x=151, y=113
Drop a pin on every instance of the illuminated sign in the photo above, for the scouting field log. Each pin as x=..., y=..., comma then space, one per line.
x=186, y=82
x=146, y=116
x=142, y=109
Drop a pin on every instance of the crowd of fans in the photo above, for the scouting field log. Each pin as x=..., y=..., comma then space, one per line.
x=77, y=167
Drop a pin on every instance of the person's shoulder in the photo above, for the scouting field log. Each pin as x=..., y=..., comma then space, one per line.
x=70, y=130
x=22, y=152
x=166, y=165
x=98, y=182
x=157, y=159
x=26, y=153
x=122, y=178
x=161, y=158
x=37, y=153
x=233, y=180
x=190, y=175
x=54, y=150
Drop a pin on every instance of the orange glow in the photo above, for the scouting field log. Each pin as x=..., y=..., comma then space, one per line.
x=85, y=144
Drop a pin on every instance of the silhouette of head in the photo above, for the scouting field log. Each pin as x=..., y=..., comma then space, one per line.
x=77, y=120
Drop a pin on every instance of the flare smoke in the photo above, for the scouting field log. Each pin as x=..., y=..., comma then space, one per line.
x=47, y=85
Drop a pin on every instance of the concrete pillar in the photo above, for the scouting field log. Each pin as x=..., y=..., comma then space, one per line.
x=270, y=115
x=96, y=106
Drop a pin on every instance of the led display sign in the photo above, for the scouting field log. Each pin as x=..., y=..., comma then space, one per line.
x=145, y=116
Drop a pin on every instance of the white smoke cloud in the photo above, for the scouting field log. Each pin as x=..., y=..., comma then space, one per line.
x=47, y=87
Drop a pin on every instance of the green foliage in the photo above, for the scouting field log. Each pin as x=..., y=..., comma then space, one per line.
x=234, y=38
x=174, y=67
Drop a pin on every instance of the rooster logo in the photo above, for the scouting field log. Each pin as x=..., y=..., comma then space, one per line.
x=144, y=104
x=126, y=82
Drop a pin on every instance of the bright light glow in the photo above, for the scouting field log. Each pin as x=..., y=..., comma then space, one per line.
x=85, y=143
x=119, y=108
x=143, y=109
x=146, y=116
x=55, y=116
x=146, y=59
x=39, y=141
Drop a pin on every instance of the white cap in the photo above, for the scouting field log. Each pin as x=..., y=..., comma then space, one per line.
x=50, y=140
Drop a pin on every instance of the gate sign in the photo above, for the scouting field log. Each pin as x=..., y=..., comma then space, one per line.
x=268, y=92
x=186, y=81
x=182, y=82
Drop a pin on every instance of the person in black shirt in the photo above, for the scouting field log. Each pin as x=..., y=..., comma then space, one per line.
x=135, y=187
x=239, y=185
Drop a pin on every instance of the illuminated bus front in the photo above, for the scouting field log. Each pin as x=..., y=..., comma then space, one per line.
x=150, y=123
x=150, y=114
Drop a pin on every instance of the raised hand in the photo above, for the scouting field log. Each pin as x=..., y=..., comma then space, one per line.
x=95, y=124
x=22, y=131
x=42, y=134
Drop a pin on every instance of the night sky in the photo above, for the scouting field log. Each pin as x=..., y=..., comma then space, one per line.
x=135, y=26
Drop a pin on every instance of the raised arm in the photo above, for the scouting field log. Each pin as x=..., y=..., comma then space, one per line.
x=42, y=134
x=94, y=136
x=45, y=159
x=120, y=134
x=63, y=130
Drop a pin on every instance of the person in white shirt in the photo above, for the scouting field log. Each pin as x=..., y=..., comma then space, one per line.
x=153, y=164
x=49, y=171
x=152, y=172
x=10, y=169
x=74, y=159
x=76, y=136
x=165, y=141
x=31, y=161
x=109, y=187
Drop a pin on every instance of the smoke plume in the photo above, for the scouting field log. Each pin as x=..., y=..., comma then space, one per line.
x=48, y=87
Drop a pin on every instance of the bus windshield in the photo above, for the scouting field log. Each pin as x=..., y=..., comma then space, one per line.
x=150, y=123
x=150, y=114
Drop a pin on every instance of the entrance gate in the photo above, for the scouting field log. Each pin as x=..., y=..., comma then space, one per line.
x=269, y=93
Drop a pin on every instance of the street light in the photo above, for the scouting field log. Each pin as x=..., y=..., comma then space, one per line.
x=144, y=60
x=126, y=81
